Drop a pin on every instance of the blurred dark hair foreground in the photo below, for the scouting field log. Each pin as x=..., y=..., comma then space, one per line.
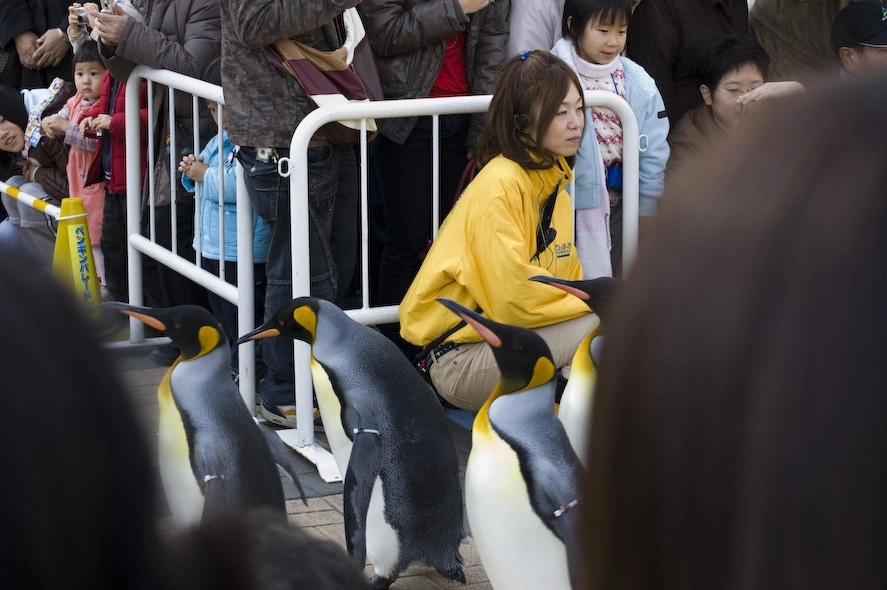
x=77, y=498
x=740, y=426
x=78, y=488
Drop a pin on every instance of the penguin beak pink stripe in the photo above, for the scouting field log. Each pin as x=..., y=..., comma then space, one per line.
x=484, y=332
x=572, y=291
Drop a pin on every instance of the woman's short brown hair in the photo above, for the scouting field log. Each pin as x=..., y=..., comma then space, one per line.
x=530, y=88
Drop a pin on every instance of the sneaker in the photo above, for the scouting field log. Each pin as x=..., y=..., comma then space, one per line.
x=166, y=354
x=286, y=416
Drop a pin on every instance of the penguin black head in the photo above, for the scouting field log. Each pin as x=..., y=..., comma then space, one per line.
x=596, y=293
x=297, y=320
x=523, y=357
x=192, y=328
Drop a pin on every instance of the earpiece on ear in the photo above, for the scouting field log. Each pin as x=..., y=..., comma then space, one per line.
x=521, y=121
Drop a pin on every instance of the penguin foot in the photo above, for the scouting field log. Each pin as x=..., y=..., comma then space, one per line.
x=456, y=574
x=380, y=582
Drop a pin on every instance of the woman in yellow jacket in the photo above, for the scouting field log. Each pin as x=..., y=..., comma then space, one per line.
x=513, y=221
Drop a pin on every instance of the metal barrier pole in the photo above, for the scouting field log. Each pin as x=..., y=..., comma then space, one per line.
x=134, y=200
x=243, y=294
x=246, y=301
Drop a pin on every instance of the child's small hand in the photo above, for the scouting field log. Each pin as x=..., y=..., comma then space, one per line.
x=101, y=123
x=196, y=168
x=185, y=164
x=85, y=125
x=54, y=125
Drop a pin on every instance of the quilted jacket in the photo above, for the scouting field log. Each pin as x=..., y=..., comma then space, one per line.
x=264, y=106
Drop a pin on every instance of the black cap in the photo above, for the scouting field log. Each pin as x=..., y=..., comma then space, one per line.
x=12, y=106
x=860, y=23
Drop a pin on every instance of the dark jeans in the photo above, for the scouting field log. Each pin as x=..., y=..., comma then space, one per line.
x=224, y=310
x=404, y=176
x=332, y=243
x=113, y=246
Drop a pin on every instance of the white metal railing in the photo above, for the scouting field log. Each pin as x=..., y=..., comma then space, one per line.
x=243, y=294
x=303, y=438
x=296, y=168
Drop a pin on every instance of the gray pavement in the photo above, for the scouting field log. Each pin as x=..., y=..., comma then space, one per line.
x=323, y=514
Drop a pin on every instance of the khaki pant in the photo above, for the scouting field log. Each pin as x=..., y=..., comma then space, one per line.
x=466, y=376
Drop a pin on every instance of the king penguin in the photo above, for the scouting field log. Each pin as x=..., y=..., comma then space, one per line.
x=522, y=478
x=389, y=436
x=213, y=457
x=574, y=410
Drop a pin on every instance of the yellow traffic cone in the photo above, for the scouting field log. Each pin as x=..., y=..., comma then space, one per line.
x=72, y=260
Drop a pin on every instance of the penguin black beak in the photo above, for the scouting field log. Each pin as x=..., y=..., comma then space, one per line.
x=261, y=332
x=596, y=293
x=143, y=314
x=483, y=326
x=561, y=284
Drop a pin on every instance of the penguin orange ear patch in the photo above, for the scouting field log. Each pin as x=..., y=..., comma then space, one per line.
x=208, y=337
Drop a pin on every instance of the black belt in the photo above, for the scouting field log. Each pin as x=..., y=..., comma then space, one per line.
x=436, y=352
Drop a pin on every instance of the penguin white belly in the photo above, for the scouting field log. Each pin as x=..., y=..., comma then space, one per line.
x=576, y=402
x=575, y=412
x=517, y=550
x=331, y=416
x=383, y=544
x=183, y=493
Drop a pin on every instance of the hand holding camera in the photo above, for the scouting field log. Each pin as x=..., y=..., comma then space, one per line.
x=78, y=16
x=110, y=22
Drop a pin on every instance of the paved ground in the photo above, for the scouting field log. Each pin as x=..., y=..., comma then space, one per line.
x=323, y=514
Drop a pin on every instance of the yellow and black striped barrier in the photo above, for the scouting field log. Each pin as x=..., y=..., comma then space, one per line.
x=72, y=262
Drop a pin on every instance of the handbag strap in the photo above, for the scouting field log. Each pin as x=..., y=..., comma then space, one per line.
x=442, y=338
x=468, y=174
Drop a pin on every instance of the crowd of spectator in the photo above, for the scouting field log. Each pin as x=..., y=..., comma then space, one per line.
x=689, y=70
x=742, y=411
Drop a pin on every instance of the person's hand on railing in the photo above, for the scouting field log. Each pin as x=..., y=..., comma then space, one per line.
x=193, y=167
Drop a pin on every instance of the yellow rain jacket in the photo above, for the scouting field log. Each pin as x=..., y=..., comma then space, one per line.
x=483, y=256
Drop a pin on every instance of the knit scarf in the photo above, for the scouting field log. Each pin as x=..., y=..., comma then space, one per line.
x=607, y=126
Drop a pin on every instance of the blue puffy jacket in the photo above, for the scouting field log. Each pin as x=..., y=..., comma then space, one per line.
x=208, y=205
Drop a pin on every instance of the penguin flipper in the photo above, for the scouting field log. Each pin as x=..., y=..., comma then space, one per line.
x=215, y=502
x=572, y=527
x=363, y=469
x=283, y=458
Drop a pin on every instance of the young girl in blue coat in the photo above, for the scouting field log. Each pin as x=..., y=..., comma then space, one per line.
x=203, y=171
x=594, y=37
